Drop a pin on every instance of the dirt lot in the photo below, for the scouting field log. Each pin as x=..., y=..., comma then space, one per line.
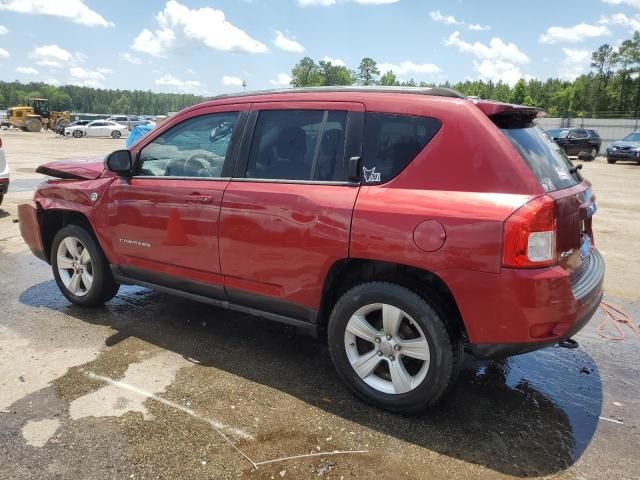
x=158, y=387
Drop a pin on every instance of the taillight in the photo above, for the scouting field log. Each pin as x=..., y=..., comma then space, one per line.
x=530, y=235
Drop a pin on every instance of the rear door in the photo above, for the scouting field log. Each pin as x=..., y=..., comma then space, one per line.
x=579, y=142
x=286, y=214
x=165, y=219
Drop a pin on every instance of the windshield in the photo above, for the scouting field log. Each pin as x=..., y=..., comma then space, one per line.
x=632, y=137
x=549, y=164
x=557, y=133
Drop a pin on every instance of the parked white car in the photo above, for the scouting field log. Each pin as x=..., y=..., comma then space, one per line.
x=97, y=128
x=4, y=173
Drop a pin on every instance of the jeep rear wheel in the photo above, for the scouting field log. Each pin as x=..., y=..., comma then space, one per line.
x=80, y=268
x=393, y=348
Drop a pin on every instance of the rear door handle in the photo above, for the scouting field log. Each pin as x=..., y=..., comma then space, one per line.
x=198, y=198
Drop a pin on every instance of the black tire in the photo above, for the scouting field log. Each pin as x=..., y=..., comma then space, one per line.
x=1, y=198
x=116, y=134
x=427, y=311
x=611, y=160
x=103, y=287
x=33, y=125
x=78, y=134
x=593, y=153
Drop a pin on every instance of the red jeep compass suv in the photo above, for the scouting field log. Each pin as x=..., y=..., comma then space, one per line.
x=406, y=225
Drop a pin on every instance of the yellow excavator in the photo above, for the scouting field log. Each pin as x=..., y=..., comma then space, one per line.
x=36, y=116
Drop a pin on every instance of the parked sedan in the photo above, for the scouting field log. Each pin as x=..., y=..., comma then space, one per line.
x=575, y=141
x=626, y=149
x=4, y=173
x=98, y=128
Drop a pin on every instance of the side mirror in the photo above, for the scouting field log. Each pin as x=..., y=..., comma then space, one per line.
x=120, y=162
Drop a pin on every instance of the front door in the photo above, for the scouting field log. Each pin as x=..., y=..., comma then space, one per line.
x=286, y=214
x=165, y=219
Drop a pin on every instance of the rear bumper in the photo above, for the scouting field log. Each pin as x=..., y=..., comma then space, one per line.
x=518, y=311
x=29, y=221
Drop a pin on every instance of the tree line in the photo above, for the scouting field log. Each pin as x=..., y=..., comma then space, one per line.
x=610, y=89
x=92, y=100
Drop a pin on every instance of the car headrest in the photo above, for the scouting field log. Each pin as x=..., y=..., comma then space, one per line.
x=291, y=141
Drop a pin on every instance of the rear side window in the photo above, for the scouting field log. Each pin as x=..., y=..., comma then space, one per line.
x=547, y=161
x=299, y=145
x=391, y=142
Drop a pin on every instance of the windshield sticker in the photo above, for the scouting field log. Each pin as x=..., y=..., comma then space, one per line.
x=562, y=173
x=547, y=184
x=370, y=176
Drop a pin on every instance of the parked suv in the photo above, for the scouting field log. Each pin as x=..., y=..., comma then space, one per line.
x=403, y=226
x=575, y=141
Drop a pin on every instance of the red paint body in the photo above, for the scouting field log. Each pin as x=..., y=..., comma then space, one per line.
x=444, y=214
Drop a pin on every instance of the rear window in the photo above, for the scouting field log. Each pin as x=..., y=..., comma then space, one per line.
x=391, y=142
x=547, y=161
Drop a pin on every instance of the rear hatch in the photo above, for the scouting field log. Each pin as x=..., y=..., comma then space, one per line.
x=574, y=200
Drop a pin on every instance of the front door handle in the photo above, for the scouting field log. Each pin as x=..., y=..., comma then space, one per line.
x=197, y=198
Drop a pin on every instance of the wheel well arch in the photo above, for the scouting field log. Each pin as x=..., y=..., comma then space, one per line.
x=349, y=272
x=51, y=221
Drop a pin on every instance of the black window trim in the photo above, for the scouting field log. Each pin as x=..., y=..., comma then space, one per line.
x=230, y=157
x=353, y=147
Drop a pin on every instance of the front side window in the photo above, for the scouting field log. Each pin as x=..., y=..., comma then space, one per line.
x=299, y=145
x=391, y=142
x=197, y=147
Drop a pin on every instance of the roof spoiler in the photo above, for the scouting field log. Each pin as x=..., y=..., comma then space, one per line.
x=507, y=114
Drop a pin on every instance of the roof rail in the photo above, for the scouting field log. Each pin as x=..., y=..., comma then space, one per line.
x=438, y=92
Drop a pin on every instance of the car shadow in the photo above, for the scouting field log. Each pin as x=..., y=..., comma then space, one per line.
x=530, y=415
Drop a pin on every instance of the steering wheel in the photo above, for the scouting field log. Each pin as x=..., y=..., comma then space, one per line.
x=198, y=162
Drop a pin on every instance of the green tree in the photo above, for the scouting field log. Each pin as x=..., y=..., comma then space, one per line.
x=519, y=93
x=306, y=74
x=334, y=74
x=368, y=72
x=388, y=79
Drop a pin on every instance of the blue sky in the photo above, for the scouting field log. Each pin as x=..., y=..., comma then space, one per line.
x=210, y=46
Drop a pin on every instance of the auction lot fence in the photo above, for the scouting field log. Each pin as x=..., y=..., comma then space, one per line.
x=610, y=129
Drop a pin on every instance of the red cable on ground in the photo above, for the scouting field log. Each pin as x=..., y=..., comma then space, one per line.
x=615, y=315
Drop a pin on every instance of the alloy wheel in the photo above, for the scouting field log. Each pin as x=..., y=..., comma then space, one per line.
x=387, y=348
x=75, y=266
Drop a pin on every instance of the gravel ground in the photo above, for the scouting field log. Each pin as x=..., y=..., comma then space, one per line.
x=158, y=387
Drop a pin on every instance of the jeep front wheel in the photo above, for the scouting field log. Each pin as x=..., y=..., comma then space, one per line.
x=80, y=268
x=394, y=348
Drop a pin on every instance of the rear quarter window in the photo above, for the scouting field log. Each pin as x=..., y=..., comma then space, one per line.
x=392, y=141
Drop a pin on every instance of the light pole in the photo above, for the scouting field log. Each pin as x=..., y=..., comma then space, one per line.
x=244, y=85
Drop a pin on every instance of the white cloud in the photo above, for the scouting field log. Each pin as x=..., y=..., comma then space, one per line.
x=575, y=63
x=178, y=26
x=496, y=50
x=27, y=70
x=187, y=86
x=231, y=81
x=288, y=44
x=633, y=23
x=3, y=30
x=4, y=53
x=496, y=61
x=52, y=81
x=74, y=10
x=478, y=28
x=446, y=19
x=282, y=80
x=334, y=61
x=88, y=78
x=408, y=67
x=574, y=34
x=105, y=71
x=496, y=70
x=51, y=56
x=130, y=58
x=631, y=3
